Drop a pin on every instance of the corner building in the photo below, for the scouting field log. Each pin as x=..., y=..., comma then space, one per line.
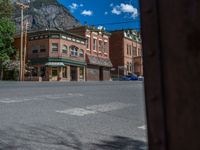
x=56, y=56
x=126, y=53
x=97, y=52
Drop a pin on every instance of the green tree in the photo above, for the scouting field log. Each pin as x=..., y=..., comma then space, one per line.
x=7, y=31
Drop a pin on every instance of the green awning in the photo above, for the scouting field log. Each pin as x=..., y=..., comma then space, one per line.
x=55, y=64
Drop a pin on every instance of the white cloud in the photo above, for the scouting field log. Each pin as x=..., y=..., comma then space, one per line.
x=125, y=8
x=111, y=5
x=116, y=10
x=73, y=7
x=101, y=28
x=105, y=13
x=87, y=13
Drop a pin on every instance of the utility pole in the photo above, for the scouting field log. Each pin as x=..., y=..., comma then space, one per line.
x=25, y=44
x=22, y=7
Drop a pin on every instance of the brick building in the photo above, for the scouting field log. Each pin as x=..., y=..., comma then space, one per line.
x=97, y=52
x=56, y=55
x=126, y=52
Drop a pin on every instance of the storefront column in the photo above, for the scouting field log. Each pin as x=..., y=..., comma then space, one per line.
x=78, y=73
x=48, y=73
x=68, y=73
x=84, y=73
x=60, y=75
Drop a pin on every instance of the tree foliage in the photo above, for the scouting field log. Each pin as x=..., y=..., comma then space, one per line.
x=6, y=8
x=7, y=31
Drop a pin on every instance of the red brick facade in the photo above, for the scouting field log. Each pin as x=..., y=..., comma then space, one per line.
x=126, y=53
x=57, y=55
x=97, y=49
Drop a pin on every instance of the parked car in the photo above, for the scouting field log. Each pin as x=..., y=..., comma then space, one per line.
x=141, y=78
x=129, y=78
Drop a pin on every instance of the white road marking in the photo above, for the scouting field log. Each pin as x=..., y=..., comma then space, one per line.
x=77, y=112
x=94, y=109
x=41, y=97
x=142, y=127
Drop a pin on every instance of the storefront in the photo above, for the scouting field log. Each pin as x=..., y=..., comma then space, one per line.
x=62, y=70
x=98, y=69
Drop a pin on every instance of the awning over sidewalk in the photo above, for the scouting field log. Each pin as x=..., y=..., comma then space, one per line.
x=55, y=64
x=99, y=61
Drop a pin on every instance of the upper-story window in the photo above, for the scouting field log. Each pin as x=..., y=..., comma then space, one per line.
x=88, y=43
x=81, y=53
x=94, y=44
x=64, y=49
x=127, y=49
x=134, y=51
x=54, y=47
x=35, y=49
x=100, y=45
x=74, y=50
x=105, y=47
x=139, y=52
x=42, y=48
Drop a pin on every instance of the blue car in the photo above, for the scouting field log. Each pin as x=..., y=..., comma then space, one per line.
x=129, y=78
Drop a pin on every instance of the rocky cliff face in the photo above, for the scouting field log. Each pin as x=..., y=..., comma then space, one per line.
x=45, y=14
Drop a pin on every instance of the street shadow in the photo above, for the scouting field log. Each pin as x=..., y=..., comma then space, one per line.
x=43, y=137
x=120, y=143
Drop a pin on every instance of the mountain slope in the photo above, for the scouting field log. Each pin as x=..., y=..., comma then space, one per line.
x=45, y=14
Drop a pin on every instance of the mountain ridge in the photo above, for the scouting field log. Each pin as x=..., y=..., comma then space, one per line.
x=45, y=14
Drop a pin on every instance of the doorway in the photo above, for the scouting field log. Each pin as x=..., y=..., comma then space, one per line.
x=73, y=71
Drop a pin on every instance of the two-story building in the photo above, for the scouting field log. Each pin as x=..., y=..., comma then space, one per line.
x=126, y=52
x=97, y=52
x=56, y=55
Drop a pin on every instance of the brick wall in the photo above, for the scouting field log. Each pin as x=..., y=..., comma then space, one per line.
x=92, y=73
x=106, y=74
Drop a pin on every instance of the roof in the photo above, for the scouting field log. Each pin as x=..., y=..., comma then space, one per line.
x=92, y=28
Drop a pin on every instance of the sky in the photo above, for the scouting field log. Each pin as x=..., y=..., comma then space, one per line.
x=108, y=14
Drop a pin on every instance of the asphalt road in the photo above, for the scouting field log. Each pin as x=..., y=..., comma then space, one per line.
x=72, y=116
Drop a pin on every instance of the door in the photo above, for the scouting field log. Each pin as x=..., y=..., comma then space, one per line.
x=73, y=71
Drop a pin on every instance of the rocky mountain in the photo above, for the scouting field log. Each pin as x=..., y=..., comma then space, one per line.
x=45, y=14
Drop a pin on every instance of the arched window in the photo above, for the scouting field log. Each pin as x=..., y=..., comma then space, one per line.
x=74, y=50
x=81, y=53
x=64, y=49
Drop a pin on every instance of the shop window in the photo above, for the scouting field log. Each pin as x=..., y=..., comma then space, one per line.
x=34, y=71
x=127, y=67
x=74, y=50
x=54, y=47
x=81, y=73
x=64, y=72
x=42, y=71
x=130, y=67
x=54, y=72
x=81, y=53
x=64, y=49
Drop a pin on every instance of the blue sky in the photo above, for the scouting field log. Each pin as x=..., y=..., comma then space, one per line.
x=112, y=14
